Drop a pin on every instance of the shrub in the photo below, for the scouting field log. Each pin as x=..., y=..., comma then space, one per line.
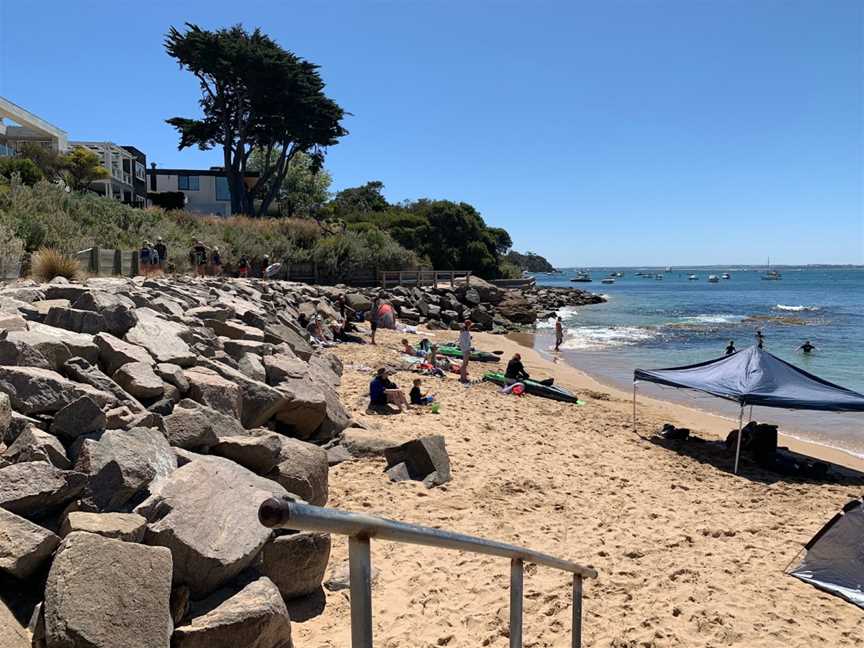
x=24, y=168
x=11, y=251
x=49, y=263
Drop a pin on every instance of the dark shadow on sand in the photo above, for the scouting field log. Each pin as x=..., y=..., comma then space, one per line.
x=716, y=454
x=307, y=607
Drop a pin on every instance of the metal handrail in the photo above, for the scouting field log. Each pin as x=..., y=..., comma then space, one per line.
x=360, y=529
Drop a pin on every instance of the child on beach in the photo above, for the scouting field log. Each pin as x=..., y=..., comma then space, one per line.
x=559, y=333
x=417, y=397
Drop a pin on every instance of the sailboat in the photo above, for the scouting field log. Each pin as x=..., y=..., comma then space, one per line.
x=771, y=275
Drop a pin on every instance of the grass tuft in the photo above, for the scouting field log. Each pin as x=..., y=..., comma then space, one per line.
x=49, y=263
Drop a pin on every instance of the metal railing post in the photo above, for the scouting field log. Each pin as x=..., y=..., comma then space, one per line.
x=516, y=575
x=577, y=611
x=360, y=578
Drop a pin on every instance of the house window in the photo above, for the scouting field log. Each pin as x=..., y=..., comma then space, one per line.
x=187, y=183
x=139, y=171
x=222, y=192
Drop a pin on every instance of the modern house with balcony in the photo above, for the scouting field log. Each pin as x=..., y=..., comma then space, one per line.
x=128, y=167
x=27, y=128
x=206, y=191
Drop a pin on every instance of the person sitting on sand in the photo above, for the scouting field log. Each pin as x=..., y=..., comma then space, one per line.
x=407, y=349
x=730, y=348
x=383, y=391
x=515, y=370
x=419, y=398
x=806, y=347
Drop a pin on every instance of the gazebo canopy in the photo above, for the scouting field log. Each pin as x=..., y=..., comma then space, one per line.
x=753, y=376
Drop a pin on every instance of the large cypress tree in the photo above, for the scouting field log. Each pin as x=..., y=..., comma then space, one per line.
x=254, y=94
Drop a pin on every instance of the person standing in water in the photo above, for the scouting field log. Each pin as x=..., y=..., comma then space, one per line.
x=760, y=339
x=806, y=347
x=559, y=333
x=465, y=348
x=730, y=348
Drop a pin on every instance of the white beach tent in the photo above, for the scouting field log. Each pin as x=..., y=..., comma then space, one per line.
x=753, y=376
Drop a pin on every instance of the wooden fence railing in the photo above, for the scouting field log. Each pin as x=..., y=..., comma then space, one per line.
x=388, y=278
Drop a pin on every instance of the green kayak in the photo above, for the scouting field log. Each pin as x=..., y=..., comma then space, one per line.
x=537, y=389
x=477, y=356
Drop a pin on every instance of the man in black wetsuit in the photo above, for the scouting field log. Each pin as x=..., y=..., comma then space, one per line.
x=806, y=347
x=515, y=370
x=730, y=349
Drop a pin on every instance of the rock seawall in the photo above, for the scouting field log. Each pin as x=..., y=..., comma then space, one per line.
x=142, y=422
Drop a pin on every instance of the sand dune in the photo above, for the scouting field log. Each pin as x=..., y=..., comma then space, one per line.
x=688, y=554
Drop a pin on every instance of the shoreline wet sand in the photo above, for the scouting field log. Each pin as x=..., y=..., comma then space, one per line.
x=688, y=554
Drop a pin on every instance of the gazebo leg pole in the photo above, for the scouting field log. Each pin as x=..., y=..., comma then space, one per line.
x=738, y=445
x=634, y=406
x=751, y=414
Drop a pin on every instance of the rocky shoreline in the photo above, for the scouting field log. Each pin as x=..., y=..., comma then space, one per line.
x=490, y=308
x=142, y=420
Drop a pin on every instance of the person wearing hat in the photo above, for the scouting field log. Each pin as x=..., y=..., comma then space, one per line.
x=161, y=252
x=465, y=348
x=383, y=391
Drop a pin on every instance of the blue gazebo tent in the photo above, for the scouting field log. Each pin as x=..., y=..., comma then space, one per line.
x=753, y=376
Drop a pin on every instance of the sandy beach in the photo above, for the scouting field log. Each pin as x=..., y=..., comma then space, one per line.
x=688, y=554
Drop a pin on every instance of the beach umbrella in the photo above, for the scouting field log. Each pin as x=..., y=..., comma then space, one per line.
x=753, y=376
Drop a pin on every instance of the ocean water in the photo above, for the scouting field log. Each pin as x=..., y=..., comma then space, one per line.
x=650, y=323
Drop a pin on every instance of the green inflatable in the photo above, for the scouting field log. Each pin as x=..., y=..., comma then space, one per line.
x=453, y=351
x=537, y=389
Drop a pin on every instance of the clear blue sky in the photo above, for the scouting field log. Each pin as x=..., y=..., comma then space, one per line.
x=609, y=132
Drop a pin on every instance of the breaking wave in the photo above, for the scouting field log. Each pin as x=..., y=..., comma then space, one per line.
x=712, y=318
x=796, y=309
x=601, y=337
x=566, y=314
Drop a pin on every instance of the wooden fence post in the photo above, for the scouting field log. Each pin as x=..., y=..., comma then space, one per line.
x=118, y=262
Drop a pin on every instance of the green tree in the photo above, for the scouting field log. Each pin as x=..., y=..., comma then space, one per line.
x=81, y=166
x=305, y=187
x=49, y=161
x=361, y=200
x=26, y=169
x=255, y=94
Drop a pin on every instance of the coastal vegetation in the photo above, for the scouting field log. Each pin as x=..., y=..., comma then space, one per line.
x=530, y=261
x=266, y=109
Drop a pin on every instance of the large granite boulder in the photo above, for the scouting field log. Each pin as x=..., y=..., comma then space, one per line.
x=128, y=527
x=36, y=486
x=303, y=470
x=277, y=333
x=42, y=391
x=81, y=416
x=17, y=353
x=191, y=425
x=24, y=546
x=209, y=388
x=259, y=453
x=254, y=617
x=34, y=444
x=56, y=344
x=122, y=463
x=173, y=375
x=305, y=408
x=190, y=511
x=72, y=319
x=424, y=459
x=517, y=309
x=235, y=330
x=260, y=402
x=279, y=367
x=12, y=633
x=79, y=370
x=296, y=563
x=114, y=352
x=358, y=302
x=163, y=339
x=139, y=380
x=104, y=593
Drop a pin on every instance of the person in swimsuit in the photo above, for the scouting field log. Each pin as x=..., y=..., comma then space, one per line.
x=806, y=347
x=730, y=348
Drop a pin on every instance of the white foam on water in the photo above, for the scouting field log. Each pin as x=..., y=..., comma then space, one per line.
x=796, y=309
x=566, y=313
x=712, y=318
x=602, y=337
